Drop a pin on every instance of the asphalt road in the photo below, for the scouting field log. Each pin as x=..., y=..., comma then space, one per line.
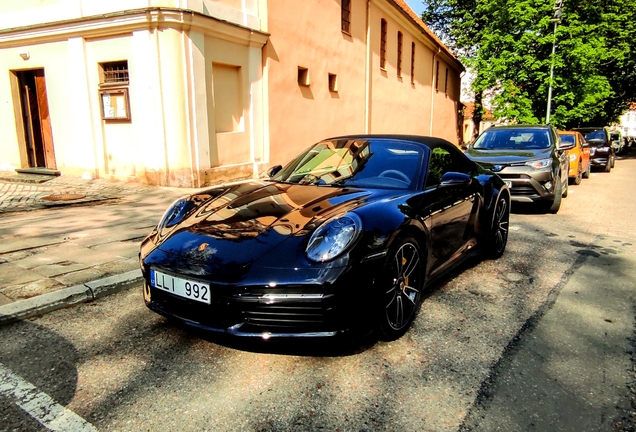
x=541, y=339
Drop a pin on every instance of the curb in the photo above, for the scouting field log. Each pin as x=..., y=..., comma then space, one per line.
x=45, y=303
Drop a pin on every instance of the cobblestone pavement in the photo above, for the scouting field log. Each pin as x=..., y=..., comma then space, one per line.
x=21, y=192
x=64, y=232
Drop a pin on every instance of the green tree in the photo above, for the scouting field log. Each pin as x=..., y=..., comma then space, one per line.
x=508, y=45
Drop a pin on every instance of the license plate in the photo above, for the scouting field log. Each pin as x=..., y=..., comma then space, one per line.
x=508, y=183
x=193, y=290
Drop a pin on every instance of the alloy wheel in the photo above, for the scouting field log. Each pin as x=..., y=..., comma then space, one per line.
x=403, y=296
x=500, y=227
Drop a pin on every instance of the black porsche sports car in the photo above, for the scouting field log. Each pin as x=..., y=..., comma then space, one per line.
x=343, y=238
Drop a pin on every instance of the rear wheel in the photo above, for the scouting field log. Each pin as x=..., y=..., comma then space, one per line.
x=498, y=237
x=400, y=289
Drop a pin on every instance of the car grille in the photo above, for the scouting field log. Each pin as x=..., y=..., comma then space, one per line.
x=256, y=312
x=523, y=190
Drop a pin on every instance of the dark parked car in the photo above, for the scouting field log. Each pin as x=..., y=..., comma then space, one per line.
x=602, y=152
x=344, y=237
x=530, y=159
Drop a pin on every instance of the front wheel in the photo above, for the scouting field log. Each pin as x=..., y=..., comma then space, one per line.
x=400, y=289
x=498, y=236
x=555, y=205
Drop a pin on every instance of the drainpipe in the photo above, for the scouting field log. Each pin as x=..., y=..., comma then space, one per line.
x=367, y=94
x=433, y=89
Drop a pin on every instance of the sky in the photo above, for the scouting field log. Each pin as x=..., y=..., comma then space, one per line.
x=416, y=5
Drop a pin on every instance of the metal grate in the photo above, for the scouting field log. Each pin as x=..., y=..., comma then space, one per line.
x=115, y=72
x=63, y=197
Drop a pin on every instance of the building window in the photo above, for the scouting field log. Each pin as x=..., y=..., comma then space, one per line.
x=114, y=72
x=383, y=44
x=399, y=54
x=303, y=76
x=333, y=82
x=437, y=75
x=412, y=62
x=113, y=90
x=346, y=16
x=446, y=82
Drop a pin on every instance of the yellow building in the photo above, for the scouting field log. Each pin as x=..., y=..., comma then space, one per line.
x=194, y=92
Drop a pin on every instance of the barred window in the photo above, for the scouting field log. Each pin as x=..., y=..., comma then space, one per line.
x=114, y=72
x=346, y=16
x=437, y=75
x=399, y=54
x=446, y=82
x=383, y=44
x=412, y=62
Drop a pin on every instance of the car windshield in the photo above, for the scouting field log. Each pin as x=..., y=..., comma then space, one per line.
x=596, y=135
x=567, y=139
x=496, y=139
x=380, y=163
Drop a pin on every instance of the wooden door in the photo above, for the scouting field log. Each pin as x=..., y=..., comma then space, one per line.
x=38, y=134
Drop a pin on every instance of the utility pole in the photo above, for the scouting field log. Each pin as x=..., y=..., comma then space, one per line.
x=556, y=19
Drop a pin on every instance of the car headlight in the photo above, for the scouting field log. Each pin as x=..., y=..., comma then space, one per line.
x=540, y=163
x=175, y=213
x=333, y=237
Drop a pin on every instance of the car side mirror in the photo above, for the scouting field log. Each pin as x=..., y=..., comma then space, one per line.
x=274, y=170
x=565, y=146
x=454, y=179
x=585, y=144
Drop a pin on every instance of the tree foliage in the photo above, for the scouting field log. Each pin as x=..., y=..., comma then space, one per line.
x=508, y=45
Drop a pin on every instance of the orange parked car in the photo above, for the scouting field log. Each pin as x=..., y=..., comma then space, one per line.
x=579, y=156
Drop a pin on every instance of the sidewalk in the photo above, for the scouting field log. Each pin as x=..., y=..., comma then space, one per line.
x=67, y=240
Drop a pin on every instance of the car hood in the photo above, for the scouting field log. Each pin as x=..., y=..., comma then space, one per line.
x=489, y=158
x=230, y=227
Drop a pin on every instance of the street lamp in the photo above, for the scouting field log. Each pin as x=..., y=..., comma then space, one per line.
x=556, y=19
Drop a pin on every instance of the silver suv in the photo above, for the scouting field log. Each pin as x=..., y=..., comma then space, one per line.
x=530, y=159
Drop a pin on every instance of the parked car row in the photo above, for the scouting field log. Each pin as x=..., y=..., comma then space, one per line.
x=347, y=236
x=538, y=163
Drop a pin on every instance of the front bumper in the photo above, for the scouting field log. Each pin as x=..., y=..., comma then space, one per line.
x=321, y=306
x=528, y=185
x=599, y=161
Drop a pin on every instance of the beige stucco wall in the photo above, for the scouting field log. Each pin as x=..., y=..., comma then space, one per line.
x=307, y=34
x=190, y=61
x=171, y=137
x=18, y=13
x=369, y=99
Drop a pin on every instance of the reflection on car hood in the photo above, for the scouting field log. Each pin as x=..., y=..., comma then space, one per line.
x=506, y=156
x=239, y=223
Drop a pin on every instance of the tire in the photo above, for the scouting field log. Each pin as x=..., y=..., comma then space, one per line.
x=613, y=162
x=498, y=234
x=586, y=173
x=608, y=166
x=565, y=189
x=579, y=175
x=555, y=205
x=400, y=289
